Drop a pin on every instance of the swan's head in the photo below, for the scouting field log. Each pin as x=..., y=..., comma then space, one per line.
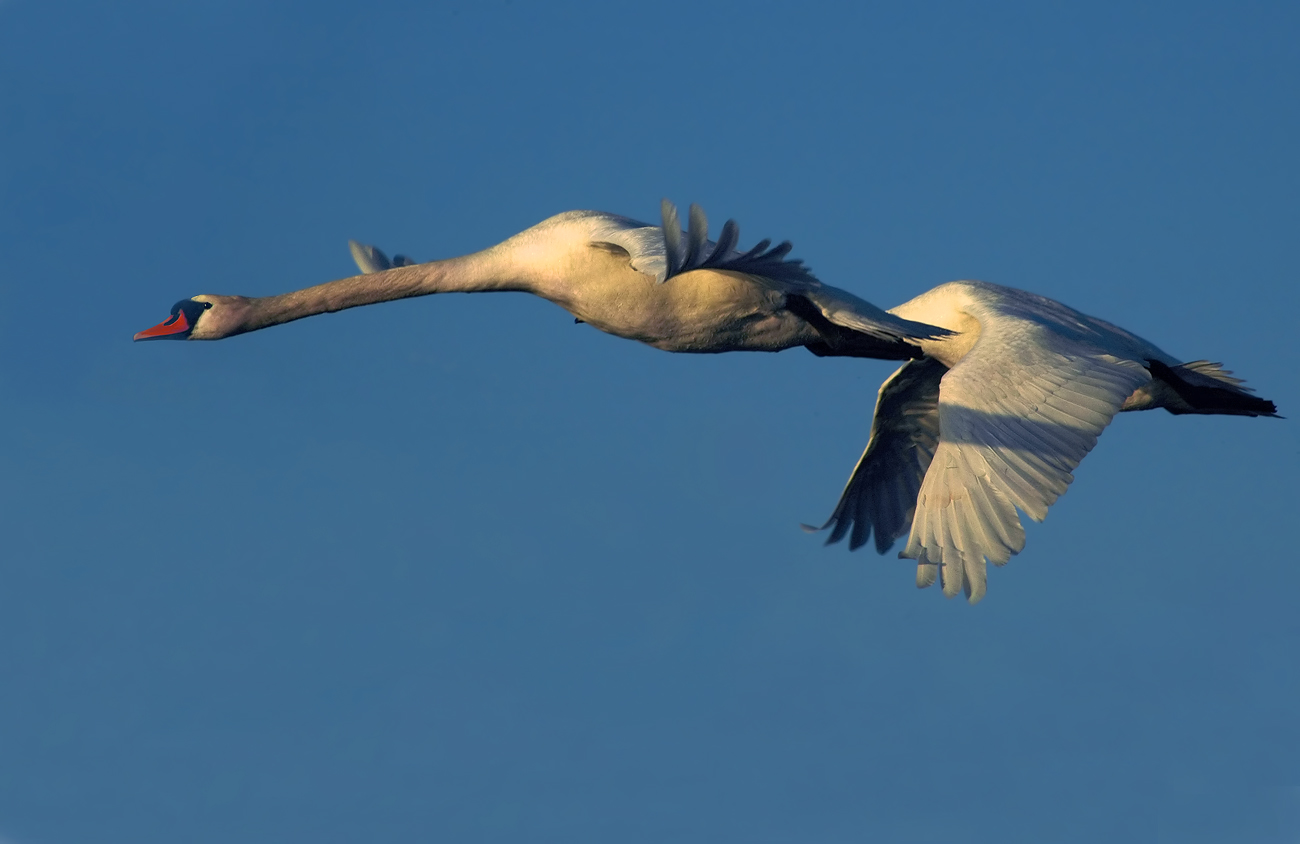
x=201, y=318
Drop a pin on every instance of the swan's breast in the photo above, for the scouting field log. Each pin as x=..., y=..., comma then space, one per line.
x=953, y=306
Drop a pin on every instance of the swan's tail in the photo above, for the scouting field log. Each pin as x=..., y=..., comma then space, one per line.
x=1205, y=387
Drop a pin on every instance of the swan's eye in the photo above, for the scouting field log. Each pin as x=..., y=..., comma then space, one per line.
x=189, y=305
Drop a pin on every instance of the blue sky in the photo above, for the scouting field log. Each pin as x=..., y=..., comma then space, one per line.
x=457, y=569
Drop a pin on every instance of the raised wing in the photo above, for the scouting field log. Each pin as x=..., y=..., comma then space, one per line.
x=665, y=251
x=370, y=259
x=700, y=253
x=1016, y=416
x=770, y=266
x=881, y=493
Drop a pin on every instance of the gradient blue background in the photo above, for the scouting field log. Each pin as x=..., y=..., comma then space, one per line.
x=456, y=569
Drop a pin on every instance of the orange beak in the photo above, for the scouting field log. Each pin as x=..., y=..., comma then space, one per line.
x=174, y=324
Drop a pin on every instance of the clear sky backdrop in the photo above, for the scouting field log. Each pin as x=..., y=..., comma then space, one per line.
x=457, y=569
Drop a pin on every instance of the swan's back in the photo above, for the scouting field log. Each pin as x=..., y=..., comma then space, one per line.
x=996, y=314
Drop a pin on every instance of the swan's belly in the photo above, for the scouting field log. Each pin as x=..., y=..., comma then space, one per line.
x=700, y=311
x=748, y=332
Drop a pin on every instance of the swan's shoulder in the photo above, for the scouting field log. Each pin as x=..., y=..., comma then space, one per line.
x=643, y=243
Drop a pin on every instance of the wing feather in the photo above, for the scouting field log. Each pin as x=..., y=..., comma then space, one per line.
x=771, y=266
x=697, y=237
x=1016, y=416
x=727, y=241
x=880, y=495
x=672, y=234
x=371, y=259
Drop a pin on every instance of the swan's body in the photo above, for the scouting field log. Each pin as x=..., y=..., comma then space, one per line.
x=626, y=278
x=995, y=417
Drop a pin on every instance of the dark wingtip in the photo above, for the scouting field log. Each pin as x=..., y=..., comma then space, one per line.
x=1226, y=397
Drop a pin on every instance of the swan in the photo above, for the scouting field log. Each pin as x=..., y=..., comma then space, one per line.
x=626, y=278
x=995, y=416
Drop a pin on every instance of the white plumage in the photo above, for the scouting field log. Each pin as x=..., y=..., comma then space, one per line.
x=1004, y=391
x=996, y=417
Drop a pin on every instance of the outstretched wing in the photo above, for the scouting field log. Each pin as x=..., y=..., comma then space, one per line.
x=370, y=259
x=881, y=493
x=1016, y=415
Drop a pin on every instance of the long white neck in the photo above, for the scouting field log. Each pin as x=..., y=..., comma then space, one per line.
x=535, y=261
x=477, y=273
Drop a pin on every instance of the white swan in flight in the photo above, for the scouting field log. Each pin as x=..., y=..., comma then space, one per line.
x=630, y=279
x=995, y=417
x=1004, y=392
